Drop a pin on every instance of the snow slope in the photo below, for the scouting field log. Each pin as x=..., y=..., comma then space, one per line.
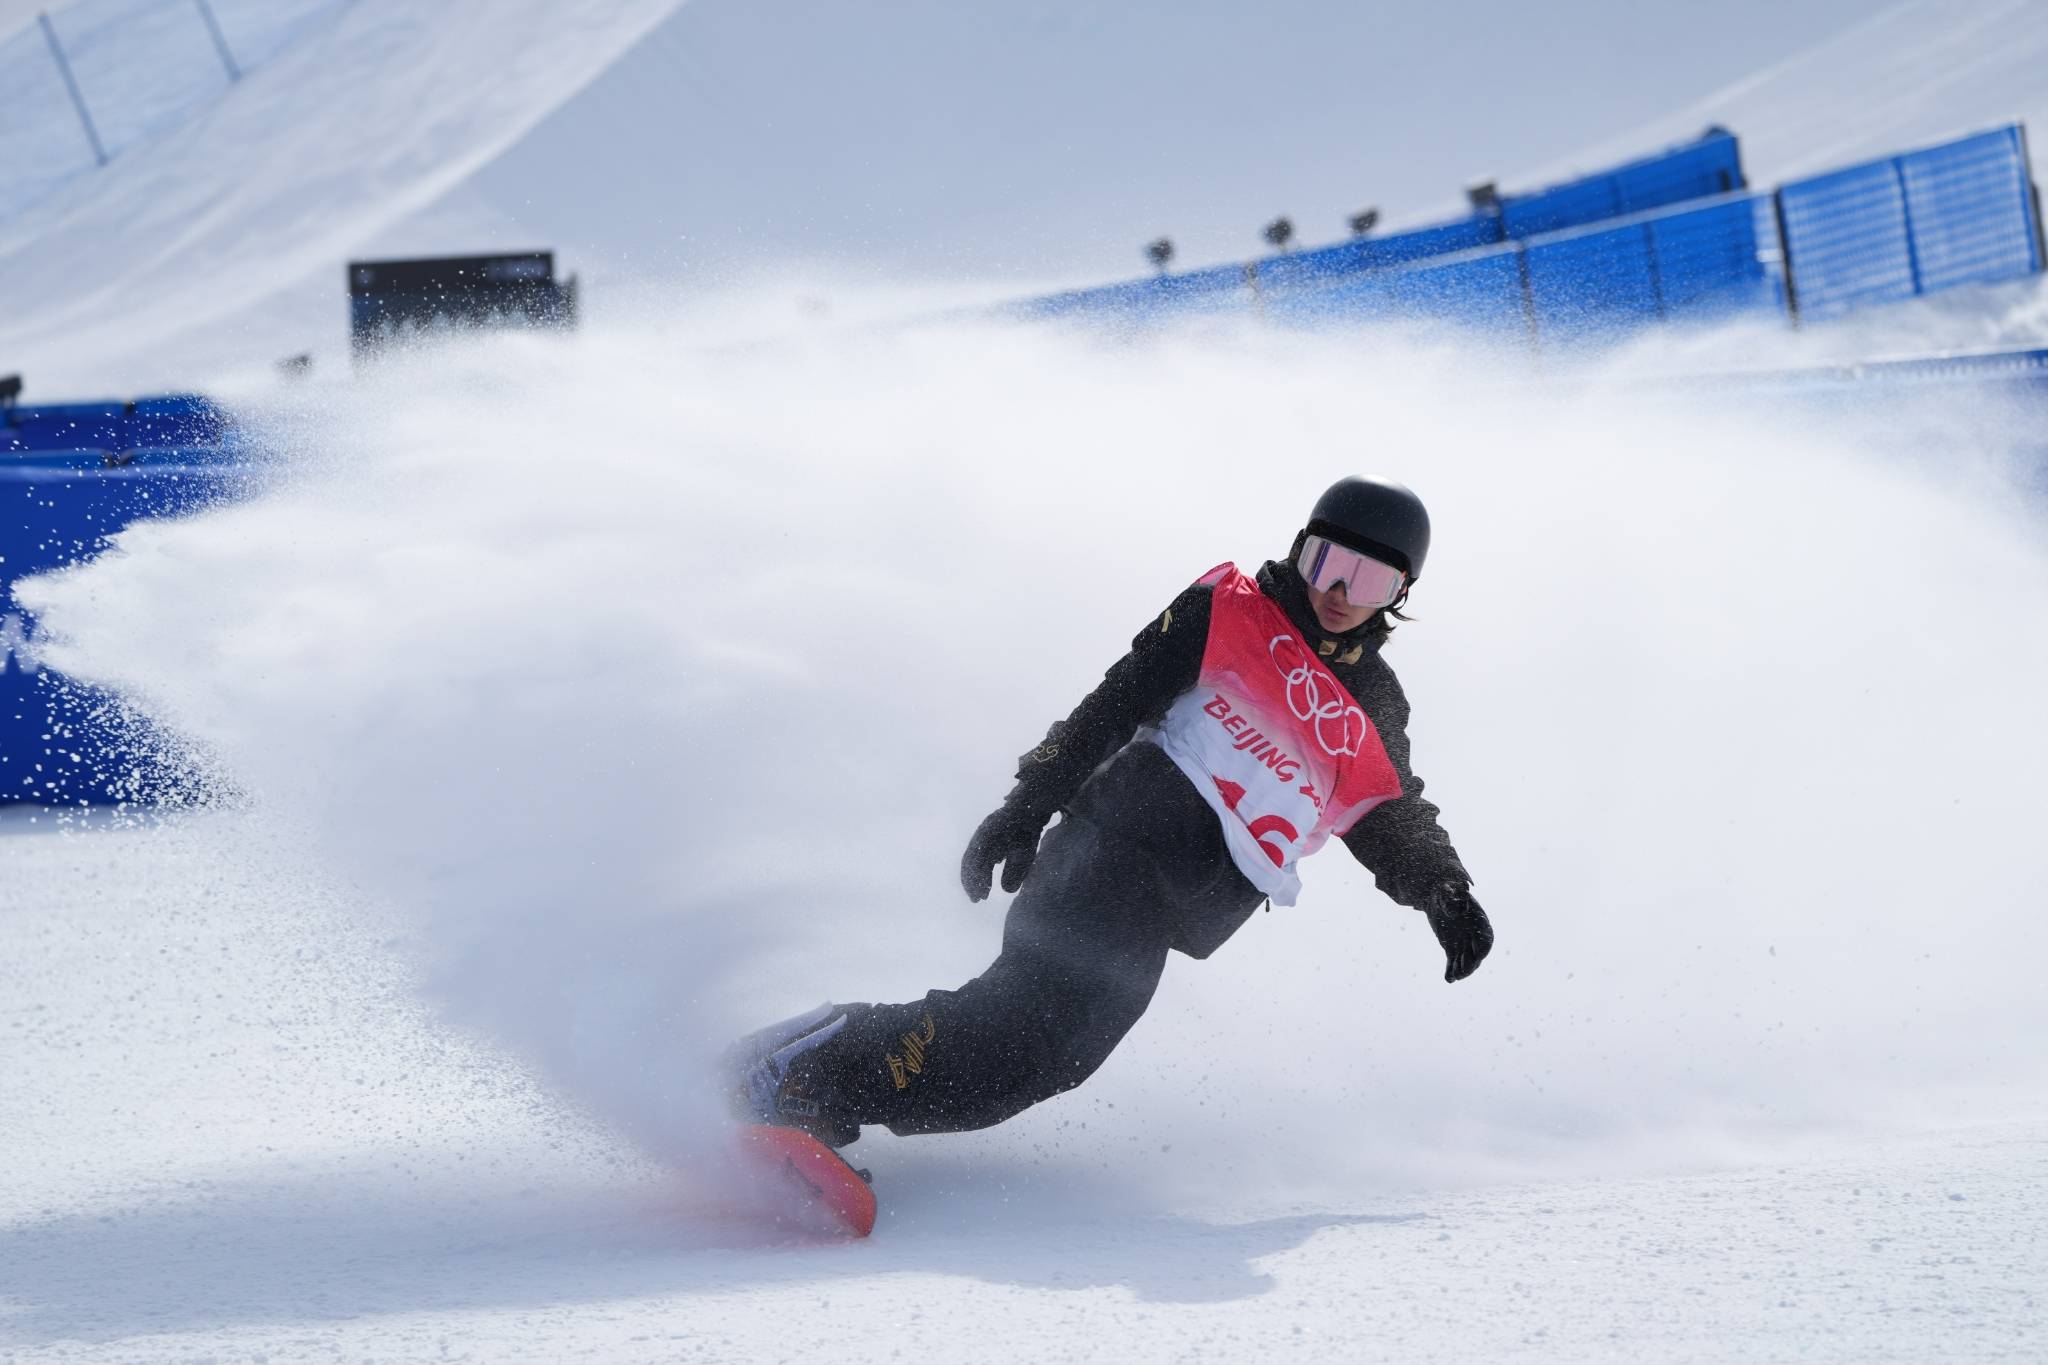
x=249, y=1147
x=1912, y=73
x=166, y=265
x=458, y=147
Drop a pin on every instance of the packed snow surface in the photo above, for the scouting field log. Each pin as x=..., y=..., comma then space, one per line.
x=232, y=1139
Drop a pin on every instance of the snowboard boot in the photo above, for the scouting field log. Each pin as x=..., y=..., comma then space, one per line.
x=781, y=1078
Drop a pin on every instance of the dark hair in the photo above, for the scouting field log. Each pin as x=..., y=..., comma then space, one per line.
x=1379, y=628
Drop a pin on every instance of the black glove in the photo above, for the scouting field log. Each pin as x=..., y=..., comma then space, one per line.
x=1461, y=927
x=1008, y=836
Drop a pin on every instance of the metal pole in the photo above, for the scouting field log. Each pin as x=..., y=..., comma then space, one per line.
x=1527, y=293
x=220, y=41
x=71, y=84
x=1785, y=255
x=1906, y=221
x=2030, y=195
x=1656, y=270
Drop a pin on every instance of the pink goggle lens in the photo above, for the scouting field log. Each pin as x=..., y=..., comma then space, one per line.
x=1367, y=582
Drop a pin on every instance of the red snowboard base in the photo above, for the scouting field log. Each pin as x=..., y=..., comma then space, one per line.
x=807, y=1183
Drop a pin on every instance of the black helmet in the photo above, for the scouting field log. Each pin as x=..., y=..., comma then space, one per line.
x=1377, y=517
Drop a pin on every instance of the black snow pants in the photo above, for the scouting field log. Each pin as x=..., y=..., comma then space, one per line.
x=1134, y=868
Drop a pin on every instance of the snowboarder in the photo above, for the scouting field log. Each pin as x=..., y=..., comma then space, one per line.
x=1252, y=720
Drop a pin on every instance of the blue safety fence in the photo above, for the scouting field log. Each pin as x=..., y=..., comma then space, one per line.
x=1697, y=262
x=1960, y=213
x=1181, y=295
x=1691, y=264
x=1964, y=212
x=1709, y=165
x=1699, y=170
x=1480, y=291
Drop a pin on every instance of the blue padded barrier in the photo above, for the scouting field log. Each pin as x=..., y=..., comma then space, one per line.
x=162, y=421
x=68, y=426
x=61, y=743
x=70, y=412
x=84, y=433
x=175, y=420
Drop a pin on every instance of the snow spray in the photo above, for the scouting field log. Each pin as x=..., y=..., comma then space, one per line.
x=659, y=685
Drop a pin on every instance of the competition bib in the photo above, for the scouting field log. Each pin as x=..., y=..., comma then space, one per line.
x=1271, y=739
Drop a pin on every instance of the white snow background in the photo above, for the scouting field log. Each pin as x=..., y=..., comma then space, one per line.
x=588, y=700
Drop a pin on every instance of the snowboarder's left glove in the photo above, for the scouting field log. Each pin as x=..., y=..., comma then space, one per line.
x=1008, y=836
x=1461, y=927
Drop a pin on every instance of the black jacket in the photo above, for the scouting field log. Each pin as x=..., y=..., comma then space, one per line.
x=1400, y=841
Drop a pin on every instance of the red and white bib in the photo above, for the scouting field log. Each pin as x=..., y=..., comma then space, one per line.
x=1272, y=740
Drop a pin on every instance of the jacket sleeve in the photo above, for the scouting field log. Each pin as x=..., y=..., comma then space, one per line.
x=1401, y=841
x=1165, y=660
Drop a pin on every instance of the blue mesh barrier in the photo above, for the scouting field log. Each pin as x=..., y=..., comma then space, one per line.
x=1194, y=291
x=1699, y=170
x=1587, y=284
x=1482, y=292
x=1971, y=205
x=1846, y=234
x=1478, y=290
x=1708, y=166
x=1691, y=263
x=1376, y=253
x=1719, y=258
x=1960, y=213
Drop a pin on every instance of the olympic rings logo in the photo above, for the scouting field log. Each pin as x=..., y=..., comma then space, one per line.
x=1330, y=717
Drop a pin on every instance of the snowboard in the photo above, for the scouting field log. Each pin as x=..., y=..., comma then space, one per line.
x=805, y=1183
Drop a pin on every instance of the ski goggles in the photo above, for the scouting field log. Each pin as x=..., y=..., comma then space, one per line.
x=1367, y=582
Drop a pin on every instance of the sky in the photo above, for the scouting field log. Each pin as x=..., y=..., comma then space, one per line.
x=1050, y=139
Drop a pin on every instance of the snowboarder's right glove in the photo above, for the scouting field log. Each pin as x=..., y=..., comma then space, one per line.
x=1008, y=836
x=1461, y=927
